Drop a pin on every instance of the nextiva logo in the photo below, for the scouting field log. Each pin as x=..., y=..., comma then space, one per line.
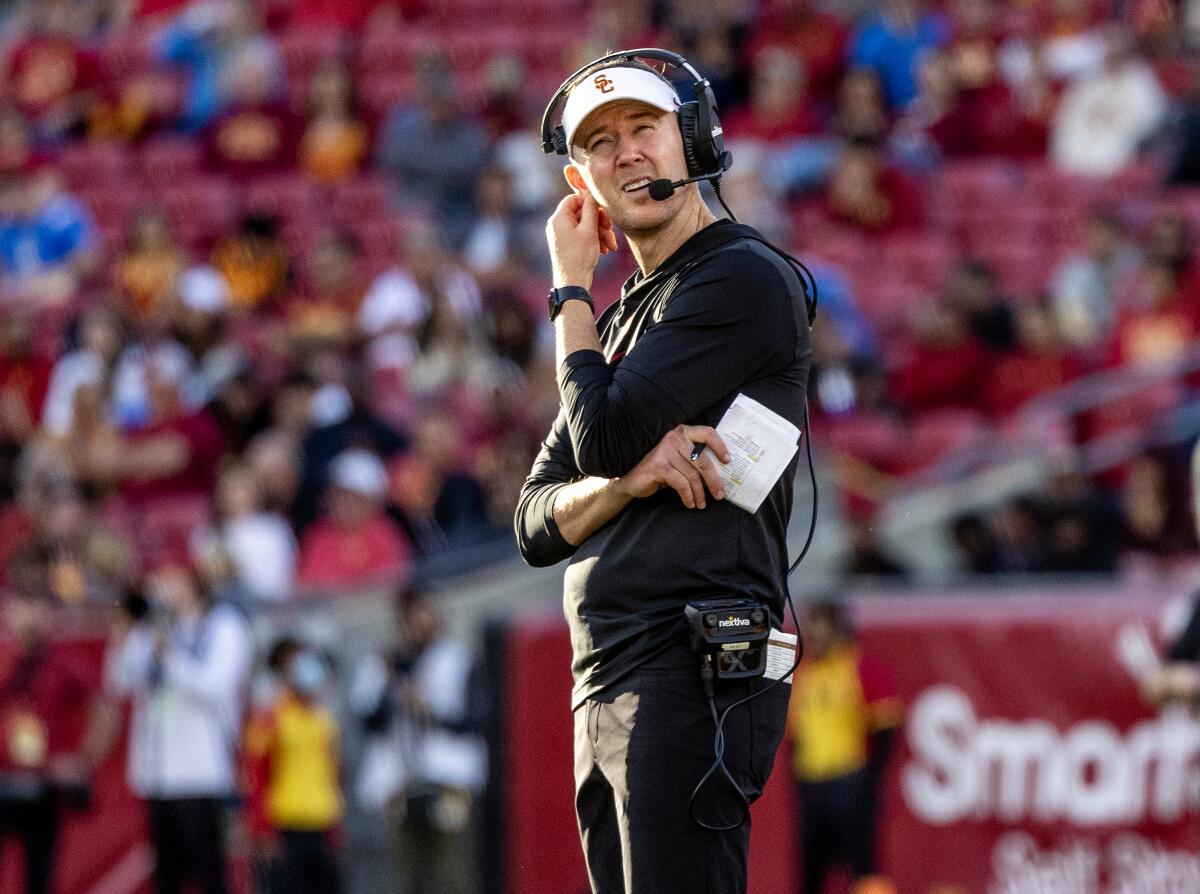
x=731, y=621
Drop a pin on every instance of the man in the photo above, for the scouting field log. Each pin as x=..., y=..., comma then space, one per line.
x=709, y=314
x=426, y=761
x=45, y=699
x=185, y=662
x=843, y=720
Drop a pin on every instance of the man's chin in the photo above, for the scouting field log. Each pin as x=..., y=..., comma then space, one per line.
x=644, y=219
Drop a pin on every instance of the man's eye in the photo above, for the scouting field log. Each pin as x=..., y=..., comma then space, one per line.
x=599, y=143
x=642, y=127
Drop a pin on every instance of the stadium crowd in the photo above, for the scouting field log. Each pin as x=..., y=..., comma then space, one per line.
x=272, y=273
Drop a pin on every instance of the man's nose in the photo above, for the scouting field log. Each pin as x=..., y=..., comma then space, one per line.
x=629, y=151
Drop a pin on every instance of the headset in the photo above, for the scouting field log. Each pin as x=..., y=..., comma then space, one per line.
x=703, y=138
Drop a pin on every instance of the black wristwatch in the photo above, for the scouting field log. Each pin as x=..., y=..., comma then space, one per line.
x=558, y=297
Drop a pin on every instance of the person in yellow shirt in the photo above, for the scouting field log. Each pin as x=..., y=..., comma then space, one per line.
x=843, y=718
x=291, y=778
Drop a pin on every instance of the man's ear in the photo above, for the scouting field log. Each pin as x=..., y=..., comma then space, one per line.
x=574, y=178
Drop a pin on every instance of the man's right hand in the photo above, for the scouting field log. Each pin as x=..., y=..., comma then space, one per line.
x=670, y=465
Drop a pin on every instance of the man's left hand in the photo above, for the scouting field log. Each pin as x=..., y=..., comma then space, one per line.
x=578, y=233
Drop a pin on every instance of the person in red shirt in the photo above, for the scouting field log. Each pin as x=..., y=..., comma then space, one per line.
x=819, y=37
x=778, y=109
x=255, y=134
x=51, y=78
x=1159, y=315
x=946, y=363
x=868, y=195
x=355, y=544
x=55, y=727
x=1038, y=363
x=24, y=376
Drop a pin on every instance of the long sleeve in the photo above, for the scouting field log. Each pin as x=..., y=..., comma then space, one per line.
x=258, y=746
x=127, y=666
x=538, y=537
x=732, y=320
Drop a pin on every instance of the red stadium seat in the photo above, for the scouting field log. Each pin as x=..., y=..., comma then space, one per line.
x=364, y=196
x=305, y=47
x=285, y=196
x=201, y=209
x=85, y=165
x=874, y=438
x=919, y=259
x=380, y=91
x=127, y=51
x=165, y=160
x=165, y=527
x=937, y=434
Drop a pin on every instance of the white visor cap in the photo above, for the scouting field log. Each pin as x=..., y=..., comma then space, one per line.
x=613, y=84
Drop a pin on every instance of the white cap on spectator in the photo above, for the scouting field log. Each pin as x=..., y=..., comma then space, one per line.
x=610, y=85
x=204, y=289
x=360, y=471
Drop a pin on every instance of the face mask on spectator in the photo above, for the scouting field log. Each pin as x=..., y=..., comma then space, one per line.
x=307, y=673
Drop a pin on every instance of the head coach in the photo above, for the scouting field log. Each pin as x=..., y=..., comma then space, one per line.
x=711, y=313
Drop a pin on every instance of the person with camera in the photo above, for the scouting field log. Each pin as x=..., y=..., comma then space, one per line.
x=184, y=661
x=46, y=697
x=624, y=487
x=426, y=760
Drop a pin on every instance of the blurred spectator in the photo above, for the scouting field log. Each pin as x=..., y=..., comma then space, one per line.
x=503, y=103
x=212, y=40
x=892, y=42
x=198, y=325
x=1154, y=510
x=274, y=458
x=291, y=767
x=1020, y=536
x=16, y=150
x=355, y=545
x=240, y=409
x=331, y=291
x=860, y=112
x=844, y=714
x=867, y=194
x=936, y=124
x=184, y=661
x=254, y=261
x=867, y=557
x=497, y=250
x=819, y=36
x=1159, y=312
x=945, y=364
x=397, y=312
x=972, y=289
x=24, y=376
x=423, y=711
x=434, y=150
x=47, y=238
x=177, y=452
x=778, y=109
x=1185, y=166
x=334, y=143
x=151, y=262
x=252, y=549
x=976, y=544
x=1038, y=362
x=1084, y=523
x=1103, y=120
x=46, y=698
x=101, y=339
x=437, y=504
x=52, y=77
x=1084, y=287
x=255, y=133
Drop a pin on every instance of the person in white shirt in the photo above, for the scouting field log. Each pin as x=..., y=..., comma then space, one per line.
x=1104, y=118
x=426, y=759
x=184, y=662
